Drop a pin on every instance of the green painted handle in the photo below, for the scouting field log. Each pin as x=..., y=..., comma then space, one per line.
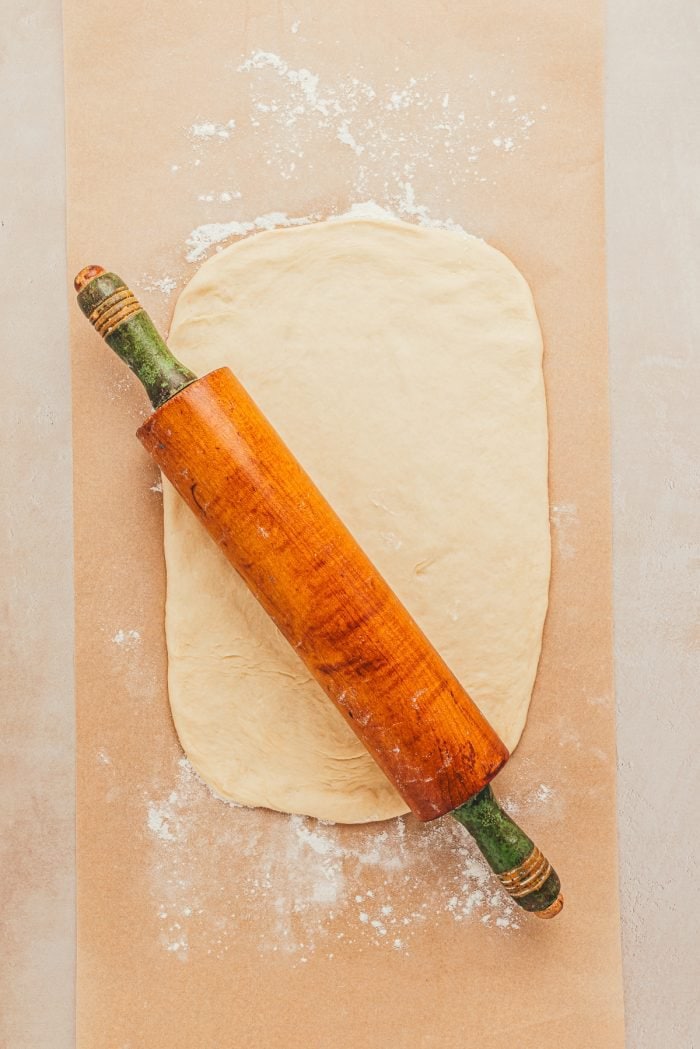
x=519, y=865
x=119, y=318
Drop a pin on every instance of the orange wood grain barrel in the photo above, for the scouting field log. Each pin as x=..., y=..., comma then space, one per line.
x=224, y=458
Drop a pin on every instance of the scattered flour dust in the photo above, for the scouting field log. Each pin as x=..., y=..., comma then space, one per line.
x=209, y=129
x=127, y=639
x=388, y=136
x=302, y=886
x=165, y=285
x=394, y=129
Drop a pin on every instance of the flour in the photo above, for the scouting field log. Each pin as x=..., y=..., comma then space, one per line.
x=127, y=639
x=397, y=127
x=303, y=887
x=387, y=136
x=210, y=129
x=165, y=285
x=204, y=237
x=305, y=81
x=224, y=197
x=391, y=132
x=543, y=792
x=162, y=819
x=343, y=135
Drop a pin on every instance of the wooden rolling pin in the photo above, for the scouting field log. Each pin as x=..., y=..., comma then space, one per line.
x=394, y=690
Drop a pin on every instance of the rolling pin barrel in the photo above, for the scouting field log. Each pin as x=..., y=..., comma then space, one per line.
x=224, y=458
x=336, y=611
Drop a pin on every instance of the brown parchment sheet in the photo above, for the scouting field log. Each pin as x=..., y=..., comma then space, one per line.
x=207, y=926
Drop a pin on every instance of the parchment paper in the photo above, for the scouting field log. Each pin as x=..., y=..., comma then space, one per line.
x=206, y=926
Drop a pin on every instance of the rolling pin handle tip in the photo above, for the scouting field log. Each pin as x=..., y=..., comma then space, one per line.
x=552, y=910
x=87, y=274
x=524, y=872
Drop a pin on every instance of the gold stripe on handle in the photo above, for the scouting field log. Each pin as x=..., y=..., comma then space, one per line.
x=114, y=310
x=106, y=304
x=121, y=316
x=529, y=877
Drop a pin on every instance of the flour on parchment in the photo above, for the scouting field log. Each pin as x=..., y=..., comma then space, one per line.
x=313, y=887
x=388, y=134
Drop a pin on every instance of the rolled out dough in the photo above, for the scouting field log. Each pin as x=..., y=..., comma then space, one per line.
x=403, y=366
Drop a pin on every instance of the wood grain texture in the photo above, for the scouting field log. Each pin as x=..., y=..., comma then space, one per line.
x=370, y=657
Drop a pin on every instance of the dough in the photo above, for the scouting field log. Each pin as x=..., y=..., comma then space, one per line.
x=403, y=366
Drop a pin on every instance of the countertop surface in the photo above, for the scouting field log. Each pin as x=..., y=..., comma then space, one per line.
x=653, y=221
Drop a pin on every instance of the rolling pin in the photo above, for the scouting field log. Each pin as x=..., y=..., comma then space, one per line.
x=342, y=619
